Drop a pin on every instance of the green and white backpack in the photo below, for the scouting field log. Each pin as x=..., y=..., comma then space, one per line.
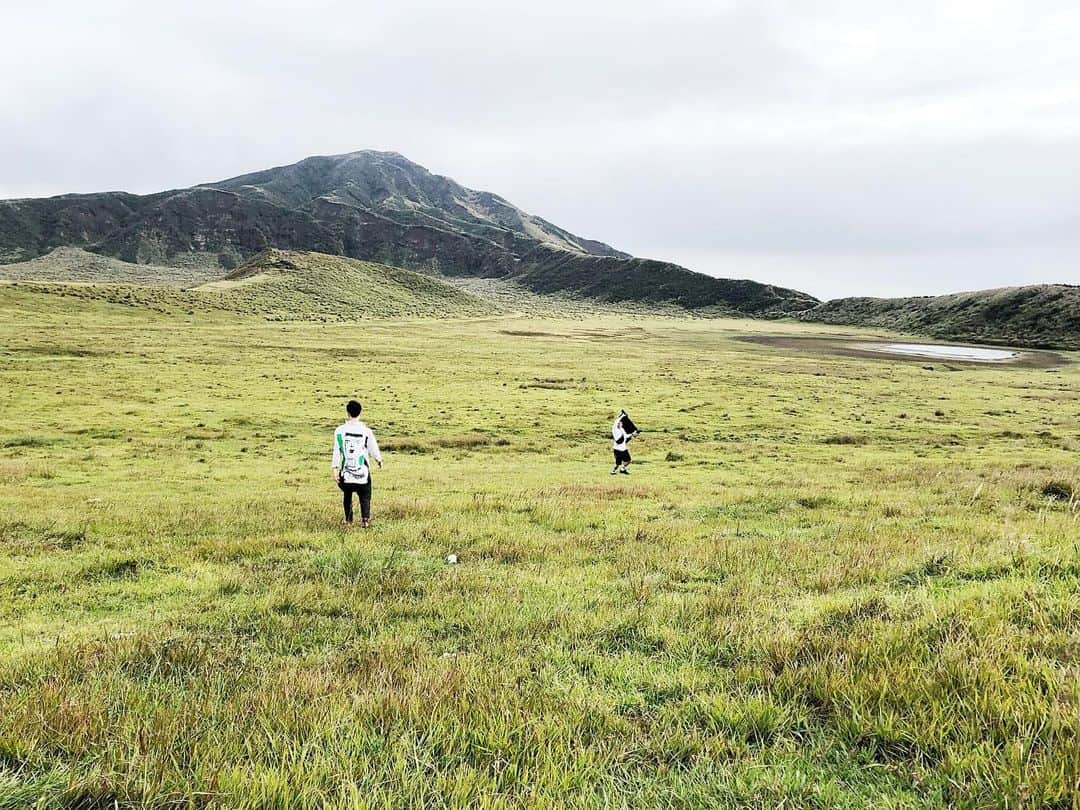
x=354, y=461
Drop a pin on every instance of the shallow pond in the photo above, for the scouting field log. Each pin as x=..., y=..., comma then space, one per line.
x=938, y=351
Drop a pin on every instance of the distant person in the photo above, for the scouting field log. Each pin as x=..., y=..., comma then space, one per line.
x=354, y=449
x=621, y=433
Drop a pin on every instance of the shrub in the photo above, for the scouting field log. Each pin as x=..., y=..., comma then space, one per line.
x=1058, y=491
x=29, y=441
x=813, y=501
x=846, y=438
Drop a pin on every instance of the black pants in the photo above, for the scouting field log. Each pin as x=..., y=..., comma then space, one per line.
x=364, y=491
x=622, y=457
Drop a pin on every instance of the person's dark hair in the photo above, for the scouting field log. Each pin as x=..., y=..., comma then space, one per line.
x=353, y=408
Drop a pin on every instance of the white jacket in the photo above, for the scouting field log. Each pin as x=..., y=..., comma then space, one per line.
x=354, y=449
x=619, y=437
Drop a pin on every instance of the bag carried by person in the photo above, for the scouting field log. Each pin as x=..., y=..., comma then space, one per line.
x=354, y=464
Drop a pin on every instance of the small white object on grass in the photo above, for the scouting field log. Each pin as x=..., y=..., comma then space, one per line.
x=452, y=559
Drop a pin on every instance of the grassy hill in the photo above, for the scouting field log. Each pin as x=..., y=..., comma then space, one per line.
x=375, y=206
x=828, y=582
x=284, y=285
x=294, y=284
x=78, y=265
x=1039, y=316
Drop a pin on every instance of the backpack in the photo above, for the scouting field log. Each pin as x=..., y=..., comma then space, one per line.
x=354, y=464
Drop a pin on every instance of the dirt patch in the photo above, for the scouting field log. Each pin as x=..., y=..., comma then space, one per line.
x=851, y=348
x=56, y=351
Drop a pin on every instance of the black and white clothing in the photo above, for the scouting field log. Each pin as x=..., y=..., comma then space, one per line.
x=619, y=437
x=619, y=440
x=354, y=450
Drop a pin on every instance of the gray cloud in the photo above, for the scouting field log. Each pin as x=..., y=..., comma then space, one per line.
x=837, y=147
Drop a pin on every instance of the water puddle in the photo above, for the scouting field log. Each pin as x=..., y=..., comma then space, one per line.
x=944, y=353
x=937, y=351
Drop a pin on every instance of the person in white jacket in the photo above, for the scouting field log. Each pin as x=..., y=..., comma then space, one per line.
x=354, y=450
x=621, y=433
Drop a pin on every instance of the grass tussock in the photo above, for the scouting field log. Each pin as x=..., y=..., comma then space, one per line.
x=466, y=442
x=1058, y=490
x=410, y=446
x=601, y=492
x=14, y=470
x=29, y=441
x=847, y=439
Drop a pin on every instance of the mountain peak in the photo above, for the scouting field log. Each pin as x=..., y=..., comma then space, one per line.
x=389, y=184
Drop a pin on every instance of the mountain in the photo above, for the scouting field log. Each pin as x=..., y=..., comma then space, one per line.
x=376, y=206
x=1038, y=316
x=404, y=192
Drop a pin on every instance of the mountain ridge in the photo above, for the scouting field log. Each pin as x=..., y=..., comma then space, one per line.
x=373, y=206
x=1039, y=316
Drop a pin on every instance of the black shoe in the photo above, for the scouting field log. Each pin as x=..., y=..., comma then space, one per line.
x=625, y=472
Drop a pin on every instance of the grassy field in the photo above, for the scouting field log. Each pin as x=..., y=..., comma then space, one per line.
x=829, y=582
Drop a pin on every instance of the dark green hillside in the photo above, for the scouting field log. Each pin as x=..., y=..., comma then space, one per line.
x=1039, y=316
x=31, y=228
x=215, y=223
x=651, y=281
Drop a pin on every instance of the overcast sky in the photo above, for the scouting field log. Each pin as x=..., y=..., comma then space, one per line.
x=842, y=148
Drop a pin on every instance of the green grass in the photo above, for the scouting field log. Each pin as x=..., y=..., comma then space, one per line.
x=829, y=582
